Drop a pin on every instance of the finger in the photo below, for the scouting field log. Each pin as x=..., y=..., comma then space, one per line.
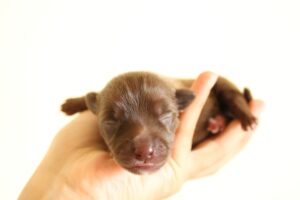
x=189, y=118
x=213, y=153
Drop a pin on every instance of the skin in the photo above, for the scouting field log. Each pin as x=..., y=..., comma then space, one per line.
x=76, y=167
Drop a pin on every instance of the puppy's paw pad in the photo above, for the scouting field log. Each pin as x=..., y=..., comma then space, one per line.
x=216, y=124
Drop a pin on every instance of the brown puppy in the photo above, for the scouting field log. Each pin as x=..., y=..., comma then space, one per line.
x=138, y=115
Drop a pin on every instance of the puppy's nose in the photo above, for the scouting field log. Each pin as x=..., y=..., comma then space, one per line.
x=143, y=149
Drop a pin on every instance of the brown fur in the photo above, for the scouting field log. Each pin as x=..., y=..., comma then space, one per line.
x=138, y=115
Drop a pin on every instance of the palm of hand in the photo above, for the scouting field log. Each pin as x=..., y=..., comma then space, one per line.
x=90, y=171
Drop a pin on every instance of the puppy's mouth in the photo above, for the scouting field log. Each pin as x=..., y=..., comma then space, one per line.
x=145, y=168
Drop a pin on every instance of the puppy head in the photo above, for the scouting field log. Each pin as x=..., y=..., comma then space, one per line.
x=138, y=116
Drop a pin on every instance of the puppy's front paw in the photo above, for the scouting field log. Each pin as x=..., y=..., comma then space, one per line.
x=74, y=105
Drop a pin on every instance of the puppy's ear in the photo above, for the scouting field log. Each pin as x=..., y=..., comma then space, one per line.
x=183, y=98
x=91, y=102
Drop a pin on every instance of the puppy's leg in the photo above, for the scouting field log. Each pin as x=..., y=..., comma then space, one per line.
x=233, y=103
x=74, y=105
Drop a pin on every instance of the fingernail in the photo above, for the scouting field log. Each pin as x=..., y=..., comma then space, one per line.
x=213, y=78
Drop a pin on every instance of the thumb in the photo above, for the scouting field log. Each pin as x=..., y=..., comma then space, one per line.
x=185, y=132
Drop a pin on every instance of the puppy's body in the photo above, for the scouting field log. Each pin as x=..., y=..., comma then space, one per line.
x=138, y=115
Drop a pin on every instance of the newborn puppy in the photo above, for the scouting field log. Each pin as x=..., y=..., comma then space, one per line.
x=138, y=115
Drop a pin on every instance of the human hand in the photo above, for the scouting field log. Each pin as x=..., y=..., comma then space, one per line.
x=77, y=167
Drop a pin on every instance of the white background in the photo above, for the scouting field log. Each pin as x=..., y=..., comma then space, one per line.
x=54, y=49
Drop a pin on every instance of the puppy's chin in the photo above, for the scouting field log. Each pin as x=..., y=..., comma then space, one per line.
x=146, y=168
x=138, y=167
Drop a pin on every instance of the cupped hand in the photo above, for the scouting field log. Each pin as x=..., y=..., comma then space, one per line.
x=77, y=165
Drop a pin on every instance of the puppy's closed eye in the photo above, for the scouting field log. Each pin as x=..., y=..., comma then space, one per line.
x=167, y=118
x=111, y=126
